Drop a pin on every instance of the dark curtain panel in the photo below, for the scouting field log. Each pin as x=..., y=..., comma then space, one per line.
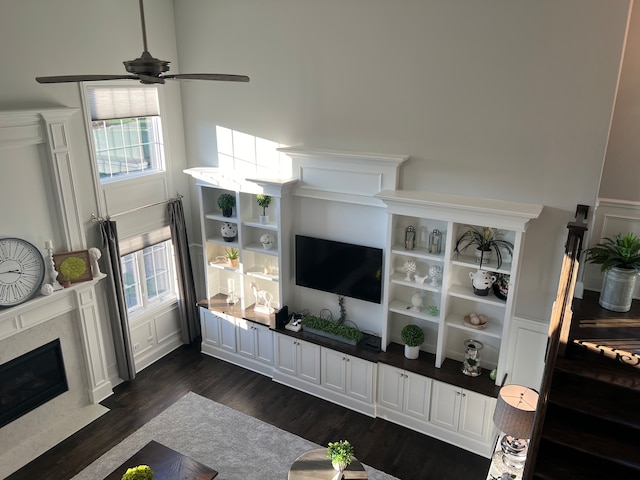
x=187, y=302
x=119, y=316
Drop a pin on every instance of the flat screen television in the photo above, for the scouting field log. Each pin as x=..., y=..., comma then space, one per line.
x=344, y=268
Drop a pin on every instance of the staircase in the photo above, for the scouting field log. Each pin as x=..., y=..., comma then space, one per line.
x=591, y=425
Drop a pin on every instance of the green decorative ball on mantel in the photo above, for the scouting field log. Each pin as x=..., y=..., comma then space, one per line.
x=141, y=472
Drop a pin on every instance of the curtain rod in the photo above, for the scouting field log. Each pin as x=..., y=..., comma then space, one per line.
x=95, y=218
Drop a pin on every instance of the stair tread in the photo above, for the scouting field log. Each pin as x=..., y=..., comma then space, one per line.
x=615, y=374
x=556, y=461
x=609, y=402
x=592, y=436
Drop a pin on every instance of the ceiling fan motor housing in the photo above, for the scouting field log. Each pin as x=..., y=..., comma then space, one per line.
x=147, y=65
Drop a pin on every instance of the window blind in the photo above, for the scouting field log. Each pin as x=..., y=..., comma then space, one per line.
x=107, y=103
x=139, y=242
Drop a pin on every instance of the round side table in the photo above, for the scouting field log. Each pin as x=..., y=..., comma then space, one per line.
x=314, y=465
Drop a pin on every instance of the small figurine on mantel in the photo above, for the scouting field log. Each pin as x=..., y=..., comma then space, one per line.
x=94, y=255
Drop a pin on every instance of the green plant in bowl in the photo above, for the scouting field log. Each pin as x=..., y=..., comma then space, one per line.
x=141, y=472
x=341, y=454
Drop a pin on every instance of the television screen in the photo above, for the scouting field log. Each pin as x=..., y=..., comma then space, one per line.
x=346, y=269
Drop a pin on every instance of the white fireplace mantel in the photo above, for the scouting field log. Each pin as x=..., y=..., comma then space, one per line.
x=81, y=299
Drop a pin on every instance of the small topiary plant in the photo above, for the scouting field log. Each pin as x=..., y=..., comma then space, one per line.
x=263, y=201
x=341, y=453
x=412, y=335
x=141, y=472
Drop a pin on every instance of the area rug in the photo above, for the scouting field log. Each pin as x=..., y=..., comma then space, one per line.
x=238, y=446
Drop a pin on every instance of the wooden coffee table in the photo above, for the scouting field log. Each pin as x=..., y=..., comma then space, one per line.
x=314, y=465
x=167, y=464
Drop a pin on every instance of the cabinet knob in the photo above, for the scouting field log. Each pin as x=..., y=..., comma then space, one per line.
x=464, y=395
x=457, y=393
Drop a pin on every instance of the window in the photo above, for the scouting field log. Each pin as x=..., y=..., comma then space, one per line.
x=126, y=131
x=149, y=277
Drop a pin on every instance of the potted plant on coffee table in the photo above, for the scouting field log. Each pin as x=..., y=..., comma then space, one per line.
x=619, y=260
x=488, y=242
x=341, y=454
x=226, y=202
x=263, y=201
x=412, y=337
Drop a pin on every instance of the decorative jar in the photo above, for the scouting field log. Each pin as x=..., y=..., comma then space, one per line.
x=471, y=364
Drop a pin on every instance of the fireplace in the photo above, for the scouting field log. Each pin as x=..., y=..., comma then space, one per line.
x=31, y=380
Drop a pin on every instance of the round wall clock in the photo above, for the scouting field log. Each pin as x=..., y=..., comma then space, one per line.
x=22, y=270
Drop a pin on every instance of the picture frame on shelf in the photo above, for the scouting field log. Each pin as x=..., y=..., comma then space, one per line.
x=73, y=267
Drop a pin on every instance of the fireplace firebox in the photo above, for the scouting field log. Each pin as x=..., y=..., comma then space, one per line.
x=31, y=380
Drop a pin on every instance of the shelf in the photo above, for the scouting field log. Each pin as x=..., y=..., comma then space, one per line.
x=466, y=292
x=418, y=252
x=258, y=272
x=224, y=266
x=221, y=241
x=399, y=279
x=221, y=218
x=255, y=223
x=470, y=262
x=493, y=328
x=404, y=308
x=258, y=248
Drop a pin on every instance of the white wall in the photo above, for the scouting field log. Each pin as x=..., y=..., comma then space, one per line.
x=500, y=99
x=496, y=98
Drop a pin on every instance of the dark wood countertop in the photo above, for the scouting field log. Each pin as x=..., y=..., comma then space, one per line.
x=450, y=372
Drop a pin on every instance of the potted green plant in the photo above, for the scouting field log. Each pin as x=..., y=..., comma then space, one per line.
x=263, y=201
x=232, y=256
x=141, y=472
x=341, y=454
x=487, y=241
x=619, y=260
x=226, y=202
x=331, y=329
x=412, y=337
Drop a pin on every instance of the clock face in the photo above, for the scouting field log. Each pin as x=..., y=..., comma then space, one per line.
x=22, y=271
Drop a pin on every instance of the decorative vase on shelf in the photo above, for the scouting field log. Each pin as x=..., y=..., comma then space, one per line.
x=267, y=241
x=435, y=273
x=264, y=219
x=416, y=301
x=471, y=364
x=483, y=256
x=481, y=281
x=409, y=268
x=229, y=231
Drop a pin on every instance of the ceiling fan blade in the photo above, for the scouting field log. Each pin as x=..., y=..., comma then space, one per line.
x=82, y=78
x=209, y=76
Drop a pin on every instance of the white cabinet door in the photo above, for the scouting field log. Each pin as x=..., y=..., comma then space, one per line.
x=359, y=379
x=308, y=361
x=228, y=334
x=263, y=344
x=476, y=416
x=445, y=405
x=390, y=387
x=210, y=326
x=286, y=354
x=333, y=368
x=417, y=395
x=246, y=338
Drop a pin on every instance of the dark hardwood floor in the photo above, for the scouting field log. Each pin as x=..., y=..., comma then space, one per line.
x=396, y=450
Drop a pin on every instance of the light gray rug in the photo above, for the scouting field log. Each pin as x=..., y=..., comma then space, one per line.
x=238, y=446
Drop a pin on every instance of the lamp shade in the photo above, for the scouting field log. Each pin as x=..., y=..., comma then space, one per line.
x=515, y=410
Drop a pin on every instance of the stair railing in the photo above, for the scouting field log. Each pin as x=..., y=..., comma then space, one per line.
x=559, y=326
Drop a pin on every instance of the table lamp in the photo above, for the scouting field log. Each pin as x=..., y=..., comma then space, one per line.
x=514, y=415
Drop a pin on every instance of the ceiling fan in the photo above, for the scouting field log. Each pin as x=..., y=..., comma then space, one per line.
x=146, y=68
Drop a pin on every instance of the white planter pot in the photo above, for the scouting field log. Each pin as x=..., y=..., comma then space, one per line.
x=411, y=352
x=264, y=219
x=617, y=289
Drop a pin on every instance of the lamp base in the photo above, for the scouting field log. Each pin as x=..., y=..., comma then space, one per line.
x=514, y=451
